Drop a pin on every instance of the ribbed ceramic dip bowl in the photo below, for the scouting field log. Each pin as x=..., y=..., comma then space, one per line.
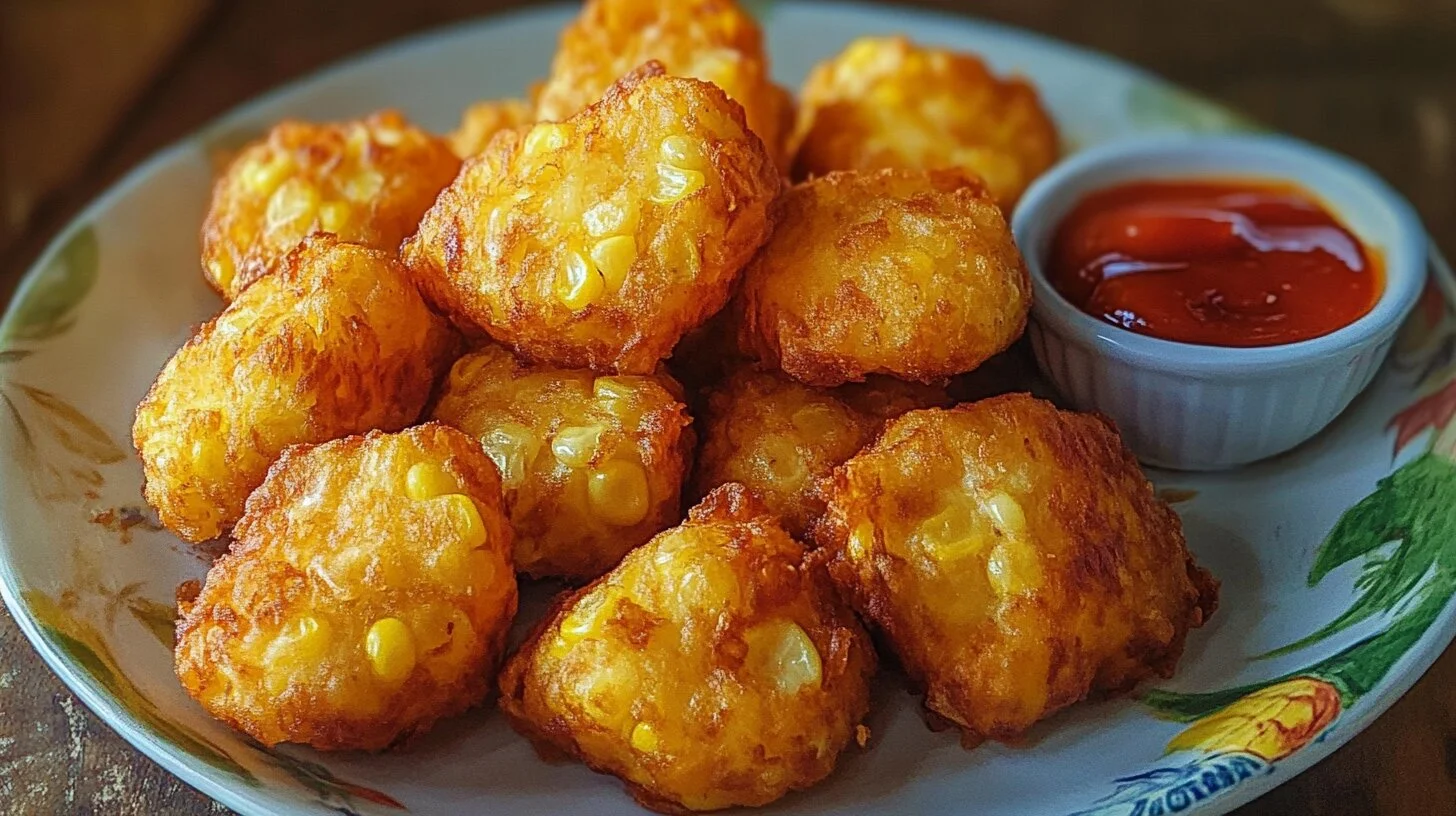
x=1198, y=407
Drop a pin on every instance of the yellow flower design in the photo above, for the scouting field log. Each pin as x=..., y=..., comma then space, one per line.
x=1270, y=723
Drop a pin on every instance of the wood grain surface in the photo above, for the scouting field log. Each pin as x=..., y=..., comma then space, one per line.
x=1372, y=78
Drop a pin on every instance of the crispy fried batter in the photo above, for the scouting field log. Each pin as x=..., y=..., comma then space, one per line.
x=593, y=466
x=484, y=120
x=712, y=40
x=368, y=594
x=1015, y=557
x=885, y=102
x=905, y=272
x=336, y=342
x=600, y=241
x=366, y=181
x=712, y=668
x=782, y=439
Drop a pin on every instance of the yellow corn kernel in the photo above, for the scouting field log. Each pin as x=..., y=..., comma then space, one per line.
x=578, y=285
x=861, y=541
x=955, y=532
x=784, y=652
x=862, y=52
x=449, y=661
x=918, y=261
x=1013, y=567
x=586, y=619
x=465, y=518
x=681, y=152
x=297, y=649
x=357, y=141
x=222, y=270
x=818, y=421
x=293, y=206
x=608, y=218
x=334, y=216
x=644, y=737
x=575, y=445
x=391, y=649
x=543, y=137
x=363, y=186
x=777, y=457
x=209, y=457
x=675, y=183
x=614, y=258
x=513, y=448
x=263, y=177
x=466, y=368
x=612, y=388
x=426, y=480
x=388, y=136
x=618, y=494
x=1006, y=513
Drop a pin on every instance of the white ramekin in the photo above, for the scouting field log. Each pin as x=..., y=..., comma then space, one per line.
x=1193, y=407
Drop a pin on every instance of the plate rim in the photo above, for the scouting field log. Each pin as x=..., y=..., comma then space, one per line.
x=1408, y=670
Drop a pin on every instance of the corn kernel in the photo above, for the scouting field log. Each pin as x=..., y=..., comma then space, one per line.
x=209, y=457
x=543, y=137
x=391, y=649
x=818, y=421
x=861, y=541
x=513, y=448
x=426, y=480
x=612, y=388
x=784, y=652
x=614, y=258
x=605, y=218
x=953, y=533
x=862, y=52
x=293, y=206
x=675, y=183
x=682, y=152
x=1013, y=567
x=466, y=368
x=617, y=493
x=262, y=178
x=575, y=445
x=357, y=141
x=388, y=136
x=578, y=285
x=777, y=457
x=334, y=216
x=919, y=262
x=644, y=737
x=586, y=619
x=363, y=186
x=222, y=270
x=1006, y=513
x=465, y=518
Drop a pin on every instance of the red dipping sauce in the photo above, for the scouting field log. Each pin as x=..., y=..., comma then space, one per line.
x=1216, y=263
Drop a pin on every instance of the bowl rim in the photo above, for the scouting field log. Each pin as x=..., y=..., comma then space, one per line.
x=1405, y=250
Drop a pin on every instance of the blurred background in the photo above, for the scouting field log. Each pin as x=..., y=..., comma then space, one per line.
x=89, y=88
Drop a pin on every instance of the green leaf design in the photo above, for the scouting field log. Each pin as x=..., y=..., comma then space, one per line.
x=13, y=355
x=1411, y=506
x=74, y=430
x=83, y=645
x=1157, y=105
x=160, y=619
x=48, y=306
x=331, y=790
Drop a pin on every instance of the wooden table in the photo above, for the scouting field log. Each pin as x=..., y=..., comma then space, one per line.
x=1373, y=78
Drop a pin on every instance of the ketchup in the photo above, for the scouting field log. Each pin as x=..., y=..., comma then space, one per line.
x=1216, y=263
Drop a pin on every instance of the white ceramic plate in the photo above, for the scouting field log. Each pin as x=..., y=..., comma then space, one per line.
x=1338, y=560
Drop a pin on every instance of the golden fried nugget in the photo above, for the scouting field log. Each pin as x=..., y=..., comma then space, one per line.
x=782, y=439
x=367, y=595
x=592, y=466
x=885, y=102
x=1016, y=559
x=712, y=40
x=366, y=181
x=337, y=341
x=484, y=120
x=600, y=241
x=911, y=273
x=713, y=667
